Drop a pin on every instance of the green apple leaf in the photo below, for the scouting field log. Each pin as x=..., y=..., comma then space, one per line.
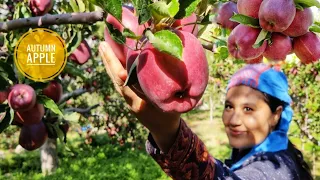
x=6, y=121
x=261, y=38
x=314, y=28
x=4, y=83
x=206, y=20
x=70, y=68
x=132, y=75
x=143, y=11
x=72, y=117
x=74, y=6
x=49, y=103
x=163, y=9
x=167, y=42
x=307, y=3
x=82, y=6
x=115, y=34
x=113, y=7
x=246, y=20
x=187, y=7
x=128, y=33
x=74, y=42
x=9, y=70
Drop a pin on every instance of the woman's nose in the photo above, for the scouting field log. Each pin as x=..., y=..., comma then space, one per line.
x=235, y=119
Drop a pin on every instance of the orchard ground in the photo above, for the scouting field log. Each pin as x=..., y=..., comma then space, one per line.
x=104, y=160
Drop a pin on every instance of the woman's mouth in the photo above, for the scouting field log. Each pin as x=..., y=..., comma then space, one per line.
x=236, y=132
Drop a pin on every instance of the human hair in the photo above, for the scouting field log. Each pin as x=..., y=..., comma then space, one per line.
x=304, y=169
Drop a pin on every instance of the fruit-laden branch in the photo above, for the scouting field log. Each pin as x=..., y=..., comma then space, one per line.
x=75, y=93
x=48, y=19
x=308, y=135
x=81, y=110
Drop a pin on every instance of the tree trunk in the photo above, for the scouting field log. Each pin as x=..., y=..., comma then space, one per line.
x=49, y=157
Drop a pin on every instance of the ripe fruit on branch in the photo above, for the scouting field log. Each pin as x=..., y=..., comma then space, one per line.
x=186, y=21
x=3, y=96
x=169, y=83
x=241, y=40
x=130, y=21
x=300, y=24
x=53, y=91
x=32, y=116
x=22, y=97
x=82, y=54
x=276, y=15
x=307, y=47
x=279, y=49
x=33, y=136
x=40, y=7
x=254, y=61
x=249, y=7
x=225, y=12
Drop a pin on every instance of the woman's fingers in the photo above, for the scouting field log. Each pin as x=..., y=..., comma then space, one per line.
x=113, y=66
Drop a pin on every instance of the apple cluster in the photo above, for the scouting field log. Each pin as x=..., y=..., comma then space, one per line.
x=288, y=26
x=171, y=84
x=28, y=113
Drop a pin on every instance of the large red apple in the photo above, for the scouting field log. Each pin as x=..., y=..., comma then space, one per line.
x=279, y=49
x=300, y=24
x=241, y=41
x=276, y=15
x=53, y=91
x=33, y=136
x=40, y=7
x=307, y=47
x=249, y=7
x=22, y=97
x=3, y=96
x=32, y=116
x=169, y=83
x=82, y=54
x=225, y=12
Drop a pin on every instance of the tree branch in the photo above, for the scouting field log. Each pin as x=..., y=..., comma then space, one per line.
x=81, y=110
x=48, y=19
x=75, y=93
x=308, y=135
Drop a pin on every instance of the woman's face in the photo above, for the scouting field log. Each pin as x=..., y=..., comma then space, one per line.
x=247, y=117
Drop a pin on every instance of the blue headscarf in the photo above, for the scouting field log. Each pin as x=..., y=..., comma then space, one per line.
x=273, y=82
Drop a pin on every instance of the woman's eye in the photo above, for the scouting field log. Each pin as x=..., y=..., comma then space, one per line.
x=227, y=107
x=248, y=109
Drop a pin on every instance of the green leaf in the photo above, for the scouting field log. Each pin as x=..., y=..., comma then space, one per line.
x=6, y=121
x=82, y=6
x=74, y=42
x=128, y=33
x=246, y=20
x=206, y=20
x=261, y=38
x=307, y=3
x=9, y=70
x=299, y=7
x=163, y=9
x=115, y=34
x=132, y=75
x=38, y=85
x=72, y=117
x=70, y=68
x=4, y=83
x=74, y=5
x=315, y=28
x=113, y=7
x=143, y=11
x=166, y=41
x=50, y=104
x=3, y=107
x=187, y=7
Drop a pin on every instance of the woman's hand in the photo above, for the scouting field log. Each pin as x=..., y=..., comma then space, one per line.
x=163, y=126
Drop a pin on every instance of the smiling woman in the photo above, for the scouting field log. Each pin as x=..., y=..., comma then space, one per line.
x=257, y=117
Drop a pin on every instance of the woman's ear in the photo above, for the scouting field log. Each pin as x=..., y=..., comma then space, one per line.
x=276, y=116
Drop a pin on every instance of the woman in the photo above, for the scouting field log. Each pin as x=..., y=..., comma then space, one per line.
x=257, y=115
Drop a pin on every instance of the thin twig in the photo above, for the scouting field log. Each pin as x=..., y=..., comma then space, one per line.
x=82, y=110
